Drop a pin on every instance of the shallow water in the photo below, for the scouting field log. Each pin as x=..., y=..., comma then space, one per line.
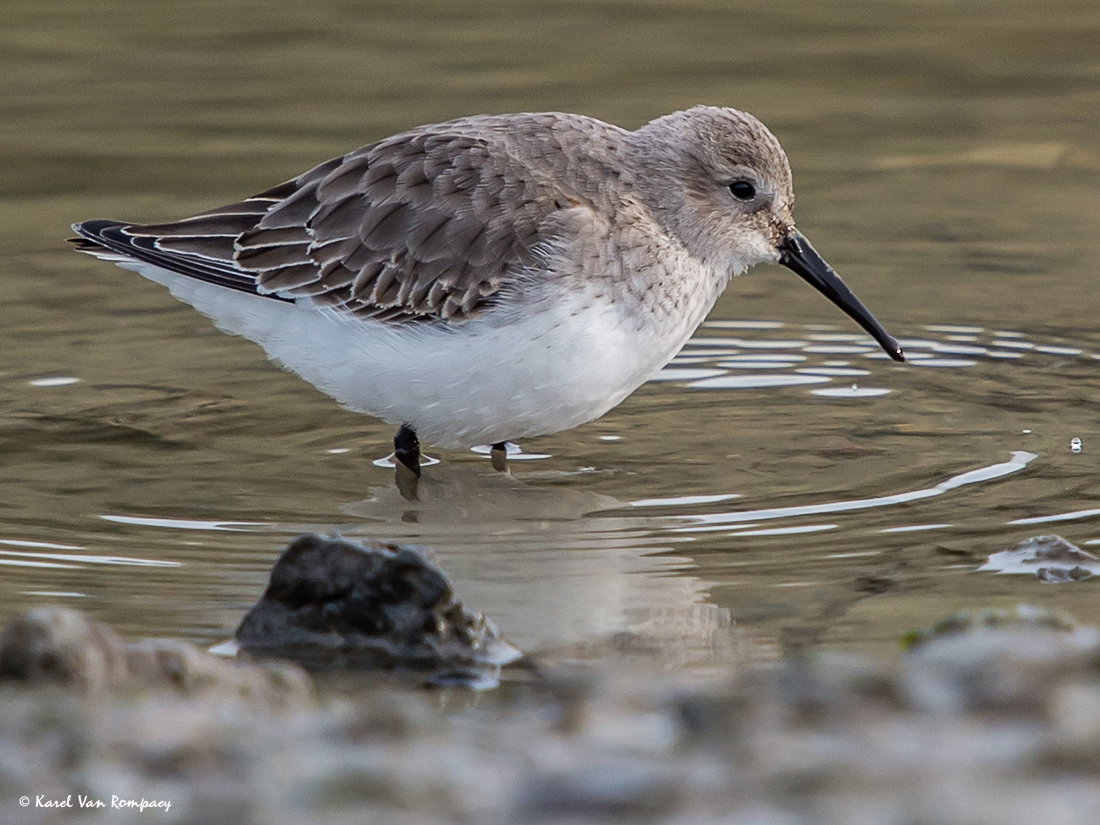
x=946, y=160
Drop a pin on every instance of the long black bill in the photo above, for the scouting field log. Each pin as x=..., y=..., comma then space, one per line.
x=796, y=254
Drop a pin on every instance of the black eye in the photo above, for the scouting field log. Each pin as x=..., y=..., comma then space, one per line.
x=743, y=190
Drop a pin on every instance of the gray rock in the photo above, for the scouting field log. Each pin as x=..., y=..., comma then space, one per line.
x=993, y=716
x=629, y=791
x=62, y=646
x=67, y=648
x=1002, y=661
x=194, y=673
x=1050, y=558
x=330, y=603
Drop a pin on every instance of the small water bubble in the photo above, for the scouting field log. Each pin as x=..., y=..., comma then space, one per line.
x=1075, y=445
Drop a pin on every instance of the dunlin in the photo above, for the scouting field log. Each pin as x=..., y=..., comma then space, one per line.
x=494, y=277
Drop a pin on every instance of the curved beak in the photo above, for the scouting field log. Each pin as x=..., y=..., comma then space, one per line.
x=796, y=254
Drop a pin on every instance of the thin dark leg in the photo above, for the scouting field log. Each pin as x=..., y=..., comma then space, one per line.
x=498, y=456
x=406, y=449
x=406, y=462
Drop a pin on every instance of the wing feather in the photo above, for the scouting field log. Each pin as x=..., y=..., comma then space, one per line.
x=429, y=225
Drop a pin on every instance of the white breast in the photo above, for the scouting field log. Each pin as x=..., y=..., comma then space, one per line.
x=546, y=367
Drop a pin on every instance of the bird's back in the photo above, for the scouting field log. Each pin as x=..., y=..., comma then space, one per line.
x=428, y=225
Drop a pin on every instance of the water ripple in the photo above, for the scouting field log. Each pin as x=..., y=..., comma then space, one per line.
x=1018, y=461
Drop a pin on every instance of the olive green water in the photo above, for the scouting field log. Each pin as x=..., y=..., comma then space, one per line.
x=946, y=159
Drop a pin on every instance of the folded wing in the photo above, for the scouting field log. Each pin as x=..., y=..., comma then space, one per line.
x=427, y=225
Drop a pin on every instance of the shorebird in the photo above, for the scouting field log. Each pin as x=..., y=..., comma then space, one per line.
x=490, y=278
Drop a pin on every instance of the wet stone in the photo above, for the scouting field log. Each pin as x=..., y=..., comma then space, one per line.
x=332, y=603
x=191, y=672
x=65, y=647
x=1000, y=661
x=1075, y=712
x=993, y=717
x=1051, y=559
x=629, y=791
x=1022, y=617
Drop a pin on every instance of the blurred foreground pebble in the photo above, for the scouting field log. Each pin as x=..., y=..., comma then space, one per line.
x=988, y=717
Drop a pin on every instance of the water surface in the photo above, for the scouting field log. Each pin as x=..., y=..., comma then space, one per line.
x=946, y=159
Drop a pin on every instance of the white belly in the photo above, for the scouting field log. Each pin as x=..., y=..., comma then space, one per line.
x=563, y=362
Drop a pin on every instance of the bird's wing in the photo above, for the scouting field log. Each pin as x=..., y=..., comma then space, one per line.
x=427, y=225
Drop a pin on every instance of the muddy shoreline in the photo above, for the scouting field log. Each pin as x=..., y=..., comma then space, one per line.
x=989, y=716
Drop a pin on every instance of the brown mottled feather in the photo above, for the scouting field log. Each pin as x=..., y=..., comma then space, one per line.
x=431, y=224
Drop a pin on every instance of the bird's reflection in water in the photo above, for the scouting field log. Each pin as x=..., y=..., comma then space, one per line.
x=532, y=557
